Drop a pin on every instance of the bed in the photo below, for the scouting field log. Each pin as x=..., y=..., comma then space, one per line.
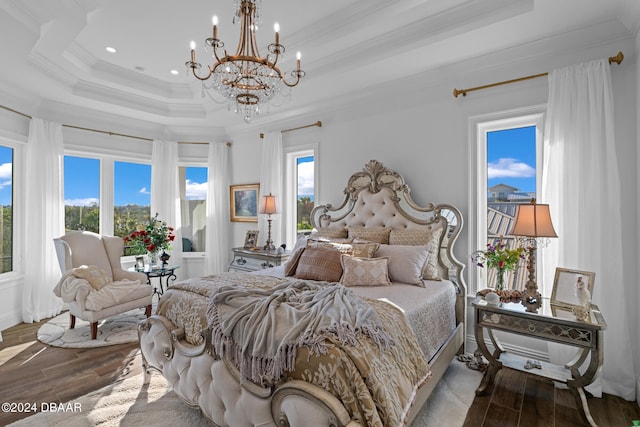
x=396, y=264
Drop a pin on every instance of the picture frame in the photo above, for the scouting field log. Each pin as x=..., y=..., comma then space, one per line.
x=564, y=286
x=139, y=263
x=251, y=239
x=243, y=202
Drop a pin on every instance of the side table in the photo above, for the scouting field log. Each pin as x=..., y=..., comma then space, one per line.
x=550, y=323
x=162, y=273
x=251, y=260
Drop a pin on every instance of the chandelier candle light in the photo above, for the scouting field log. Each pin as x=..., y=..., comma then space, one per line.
x=246, y=80
x=533, y=221
x=269, y=207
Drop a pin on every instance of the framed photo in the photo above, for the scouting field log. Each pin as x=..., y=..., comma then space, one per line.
x=139, y=263
x=251, y=239
x=565, y=285
x=244, y=202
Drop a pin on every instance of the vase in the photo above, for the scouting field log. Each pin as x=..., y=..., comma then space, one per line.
x=153, y=258
x=499, y=279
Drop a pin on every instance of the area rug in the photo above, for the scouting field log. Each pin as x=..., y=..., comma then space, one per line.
x=119, y=329
x=132, y=403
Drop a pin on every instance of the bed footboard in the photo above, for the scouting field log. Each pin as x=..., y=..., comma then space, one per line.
x=205, y=382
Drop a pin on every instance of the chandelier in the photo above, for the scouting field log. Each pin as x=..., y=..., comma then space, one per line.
x=246, y=81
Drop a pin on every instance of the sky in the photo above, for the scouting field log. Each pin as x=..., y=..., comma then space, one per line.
x=511, y=158
x=6, y=162
x=132, y=182
x=305, y=176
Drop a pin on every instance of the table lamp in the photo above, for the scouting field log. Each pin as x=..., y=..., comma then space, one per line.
x=269, y=207
x=532, y=222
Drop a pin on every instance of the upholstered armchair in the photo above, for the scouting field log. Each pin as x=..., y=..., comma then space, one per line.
x=94, y=285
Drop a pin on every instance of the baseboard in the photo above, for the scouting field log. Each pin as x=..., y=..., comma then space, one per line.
x=9, y=319
x=638, y=390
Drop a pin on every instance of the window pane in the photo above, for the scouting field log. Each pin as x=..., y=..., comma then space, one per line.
x=511, y=180
x=193, y=199
x=81, y=194
x=131, y=197
x=305, y=194
x=6, y=201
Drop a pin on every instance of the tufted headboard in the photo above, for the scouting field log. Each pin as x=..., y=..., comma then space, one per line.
x=377, y=197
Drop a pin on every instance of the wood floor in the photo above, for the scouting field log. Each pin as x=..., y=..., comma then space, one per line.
x=33, y=372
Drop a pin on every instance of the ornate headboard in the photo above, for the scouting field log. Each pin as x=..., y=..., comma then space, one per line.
x=377, y=197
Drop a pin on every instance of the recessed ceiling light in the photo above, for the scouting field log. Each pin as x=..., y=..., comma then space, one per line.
x=111, y=49
x=138, y=68
x=175, y=72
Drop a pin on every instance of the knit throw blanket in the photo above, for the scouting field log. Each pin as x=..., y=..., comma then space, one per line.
x=260, y=330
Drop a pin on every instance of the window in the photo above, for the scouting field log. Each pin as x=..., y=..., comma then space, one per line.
x=81, y=194
x=193, y=202
x=6, y=203
x=300, y=193
x=509, y=153
x=131, y=197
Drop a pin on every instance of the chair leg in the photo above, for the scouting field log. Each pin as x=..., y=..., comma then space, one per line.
x=94, y=330
x=73, y=321
x=147, y=311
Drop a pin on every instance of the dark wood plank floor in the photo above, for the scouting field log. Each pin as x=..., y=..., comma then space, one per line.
x=34, y=372
x=523, y=400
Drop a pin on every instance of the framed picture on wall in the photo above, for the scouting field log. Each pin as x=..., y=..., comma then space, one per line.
x=567, y=287
x=244, y=202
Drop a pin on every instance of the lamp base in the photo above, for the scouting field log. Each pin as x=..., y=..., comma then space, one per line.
x=269, y=247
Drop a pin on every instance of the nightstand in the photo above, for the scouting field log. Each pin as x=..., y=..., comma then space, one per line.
x=251, y=260
x=550, y=323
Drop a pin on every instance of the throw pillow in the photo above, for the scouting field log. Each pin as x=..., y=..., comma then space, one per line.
x=364, y=249
x=329, y=233
x=319, y=264
x=405, y=262
x=377, y=235
x=424, y=236
x=364, y=271
x=344, y=248
x=96, y=276
x=292, y=263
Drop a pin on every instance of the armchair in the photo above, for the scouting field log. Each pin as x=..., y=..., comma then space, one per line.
x=119, y=290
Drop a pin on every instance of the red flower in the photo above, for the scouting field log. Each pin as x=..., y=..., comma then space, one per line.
x=171, y=237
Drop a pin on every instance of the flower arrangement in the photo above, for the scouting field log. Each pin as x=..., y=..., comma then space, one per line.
x=152, y=237
x=498, y=256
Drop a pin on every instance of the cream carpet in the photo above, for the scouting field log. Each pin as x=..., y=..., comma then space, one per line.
x=132, y=403
x=119, y=329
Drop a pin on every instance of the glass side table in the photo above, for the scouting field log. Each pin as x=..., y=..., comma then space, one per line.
x=164, y=274
x=550, y=323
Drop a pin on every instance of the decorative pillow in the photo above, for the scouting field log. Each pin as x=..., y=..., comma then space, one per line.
x=405, y=262
x=343, y=248
x=364, y=271
x=421, y=236
x=364, y=249
x=319, y=264
x=292, y=263
x=329, y=233
x=377, y=235
x=96, y=276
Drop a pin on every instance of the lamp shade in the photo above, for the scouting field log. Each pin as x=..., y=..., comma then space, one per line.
x=268, y=205
x=533, y=220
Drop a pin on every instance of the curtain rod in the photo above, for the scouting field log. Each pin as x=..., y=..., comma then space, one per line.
x=318, y=123
x=228, y=143
x=617, y=59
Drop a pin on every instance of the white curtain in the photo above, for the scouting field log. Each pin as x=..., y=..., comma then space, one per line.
x=44, y=220
x=581, y=183
x=271, y=177
x=217, y=234
x=165, y=193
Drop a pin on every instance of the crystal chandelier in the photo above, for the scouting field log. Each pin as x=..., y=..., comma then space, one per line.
x=246, y=81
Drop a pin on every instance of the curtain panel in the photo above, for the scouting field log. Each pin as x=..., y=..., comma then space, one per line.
x=581, y=183
x=165, y=193
x=44, y=214
x=271, y=173
x=217, y=234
